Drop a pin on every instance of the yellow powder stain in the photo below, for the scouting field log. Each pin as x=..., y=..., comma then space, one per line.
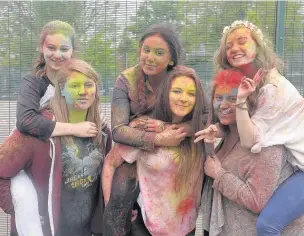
x=131, y=74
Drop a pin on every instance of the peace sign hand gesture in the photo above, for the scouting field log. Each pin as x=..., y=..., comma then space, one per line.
x=248, y=85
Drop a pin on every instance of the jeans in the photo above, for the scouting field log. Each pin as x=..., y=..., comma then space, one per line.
x=285, y=206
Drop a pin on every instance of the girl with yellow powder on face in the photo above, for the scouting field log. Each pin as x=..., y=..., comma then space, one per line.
x=65, y=171
x=270, y=111
x=134, y=94
x=170, y=178
x=57, y=46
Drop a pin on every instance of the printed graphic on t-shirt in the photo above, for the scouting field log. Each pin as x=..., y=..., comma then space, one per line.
x=81, y=164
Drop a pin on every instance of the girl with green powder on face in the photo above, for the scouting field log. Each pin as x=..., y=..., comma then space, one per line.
x=65, y=171
x=57, y=46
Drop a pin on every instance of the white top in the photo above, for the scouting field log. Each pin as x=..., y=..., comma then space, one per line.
x=279, y=118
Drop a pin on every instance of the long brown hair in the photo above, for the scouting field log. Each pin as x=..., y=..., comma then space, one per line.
x=58, y=102
x=163, y=112
x=170, y=36
x=53, y=27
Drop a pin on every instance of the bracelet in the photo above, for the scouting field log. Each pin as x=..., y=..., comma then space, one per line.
x=161, y=126
x=240, y=105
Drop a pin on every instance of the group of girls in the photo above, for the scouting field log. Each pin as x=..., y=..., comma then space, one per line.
x=60, y=175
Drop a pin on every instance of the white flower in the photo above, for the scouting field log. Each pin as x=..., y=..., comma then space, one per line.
x=247, y=24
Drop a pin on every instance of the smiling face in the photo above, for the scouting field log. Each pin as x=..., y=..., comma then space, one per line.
x=241, y=49
x=79, y=91
x=224, y=104
x=182, y=97
x=154, y=55
x=57, y=50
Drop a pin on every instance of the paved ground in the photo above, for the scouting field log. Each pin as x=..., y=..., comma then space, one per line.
x=7, y=122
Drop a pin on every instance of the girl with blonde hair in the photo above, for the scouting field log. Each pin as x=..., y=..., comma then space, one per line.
x=65, y=171
x=58, y=44
x=239, y=182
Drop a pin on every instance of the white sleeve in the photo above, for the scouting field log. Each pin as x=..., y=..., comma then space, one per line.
x=269, y=109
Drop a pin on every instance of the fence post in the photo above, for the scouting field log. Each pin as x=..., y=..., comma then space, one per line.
x=280, y=27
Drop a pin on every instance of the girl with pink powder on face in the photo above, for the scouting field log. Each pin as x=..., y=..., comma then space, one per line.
x=169, y=178
x=270, y=111
x=240, y=182
x=133, y=95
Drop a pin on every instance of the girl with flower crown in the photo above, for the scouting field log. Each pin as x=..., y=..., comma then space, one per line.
x=239, y=182
x=269, y=111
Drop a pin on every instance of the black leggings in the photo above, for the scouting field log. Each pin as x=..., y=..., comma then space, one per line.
x=124, y=193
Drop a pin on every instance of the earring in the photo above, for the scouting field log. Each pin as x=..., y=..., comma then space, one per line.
x=171, y=63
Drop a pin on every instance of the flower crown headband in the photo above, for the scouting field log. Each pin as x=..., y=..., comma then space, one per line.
x=245, y=23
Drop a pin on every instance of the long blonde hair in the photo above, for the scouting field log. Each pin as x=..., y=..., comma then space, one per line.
x=53, y=27
x=59, y=105
x=265, y=57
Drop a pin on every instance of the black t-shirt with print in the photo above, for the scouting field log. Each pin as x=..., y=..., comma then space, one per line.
x=80, y=177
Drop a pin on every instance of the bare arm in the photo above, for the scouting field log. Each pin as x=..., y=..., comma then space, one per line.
x=244, y=124
x=31, y=121
x=81, y=129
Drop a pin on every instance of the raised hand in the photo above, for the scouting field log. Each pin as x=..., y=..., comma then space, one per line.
x=209, y=134
x=248, y=86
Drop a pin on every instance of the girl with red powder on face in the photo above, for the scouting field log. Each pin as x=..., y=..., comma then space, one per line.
x=270, y=111
x=241, y=182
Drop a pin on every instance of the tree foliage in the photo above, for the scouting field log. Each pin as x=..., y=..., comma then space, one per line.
x=109, y=30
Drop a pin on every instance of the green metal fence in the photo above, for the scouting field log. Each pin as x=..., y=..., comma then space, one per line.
x=109, y=31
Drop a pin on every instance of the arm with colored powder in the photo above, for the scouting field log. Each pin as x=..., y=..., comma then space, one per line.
x=30, y=121
x=124, y=134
